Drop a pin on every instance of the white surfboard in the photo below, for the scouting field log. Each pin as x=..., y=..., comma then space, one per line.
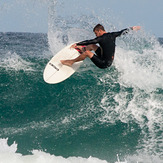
x=55, y=71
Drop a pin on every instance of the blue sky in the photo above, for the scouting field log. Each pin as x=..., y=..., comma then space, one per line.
x=32, y=15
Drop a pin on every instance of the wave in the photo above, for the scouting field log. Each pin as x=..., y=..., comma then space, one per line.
x=122, y=93
x=13, y=61
x=128, y=93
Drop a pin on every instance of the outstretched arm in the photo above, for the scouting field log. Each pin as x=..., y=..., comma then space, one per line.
x=124, y=31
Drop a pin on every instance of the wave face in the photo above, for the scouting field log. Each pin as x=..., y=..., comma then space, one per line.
x=97, y=113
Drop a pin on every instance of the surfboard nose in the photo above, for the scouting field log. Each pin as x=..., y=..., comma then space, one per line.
x=55, y=71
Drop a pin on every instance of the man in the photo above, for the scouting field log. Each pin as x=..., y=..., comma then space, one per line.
x=104, y=55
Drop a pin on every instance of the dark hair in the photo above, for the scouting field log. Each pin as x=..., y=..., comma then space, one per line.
x=98, y=27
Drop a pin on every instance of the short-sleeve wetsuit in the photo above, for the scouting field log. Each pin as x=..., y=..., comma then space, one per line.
x=105, y=53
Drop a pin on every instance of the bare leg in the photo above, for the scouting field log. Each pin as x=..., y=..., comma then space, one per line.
x=72, y=61
x=84, y=55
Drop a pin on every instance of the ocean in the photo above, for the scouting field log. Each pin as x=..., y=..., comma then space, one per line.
x=91, y=117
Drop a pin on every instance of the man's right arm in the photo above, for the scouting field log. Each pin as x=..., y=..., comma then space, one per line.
x=88, y=42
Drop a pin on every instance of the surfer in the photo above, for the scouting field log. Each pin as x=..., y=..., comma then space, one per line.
x=104, y=54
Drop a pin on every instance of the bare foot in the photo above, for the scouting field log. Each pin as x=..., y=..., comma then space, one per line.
x=67, y=62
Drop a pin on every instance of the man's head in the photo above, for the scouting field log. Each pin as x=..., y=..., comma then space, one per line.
x=99, y=30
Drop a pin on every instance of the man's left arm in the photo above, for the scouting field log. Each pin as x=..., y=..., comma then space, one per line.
x=124, y=31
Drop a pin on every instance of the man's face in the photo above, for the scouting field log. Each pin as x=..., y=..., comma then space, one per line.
x=97, y=33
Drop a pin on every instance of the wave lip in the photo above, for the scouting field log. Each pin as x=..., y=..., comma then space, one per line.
x=12, y=61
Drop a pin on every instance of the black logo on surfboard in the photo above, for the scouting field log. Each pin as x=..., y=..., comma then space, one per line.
x=51, y=64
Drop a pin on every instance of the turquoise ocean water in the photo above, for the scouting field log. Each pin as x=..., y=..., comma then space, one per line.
x=92, y=116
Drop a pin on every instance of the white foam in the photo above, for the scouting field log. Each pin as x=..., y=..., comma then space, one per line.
x=12, y=61
x=5, y=148
x=144, y=158
x=144, y=71
x=8, y=154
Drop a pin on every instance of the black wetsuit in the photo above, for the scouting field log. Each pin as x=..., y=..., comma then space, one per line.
x=104, y=55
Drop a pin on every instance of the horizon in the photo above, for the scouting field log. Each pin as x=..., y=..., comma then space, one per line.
x=46, y=33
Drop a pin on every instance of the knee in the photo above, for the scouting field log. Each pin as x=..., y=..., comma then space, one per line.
x=92, y=47
x=88, y=54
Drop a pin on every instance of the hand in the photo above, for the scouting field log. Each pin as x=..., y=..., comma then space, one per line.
x=73, y=46
x=136, y=28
